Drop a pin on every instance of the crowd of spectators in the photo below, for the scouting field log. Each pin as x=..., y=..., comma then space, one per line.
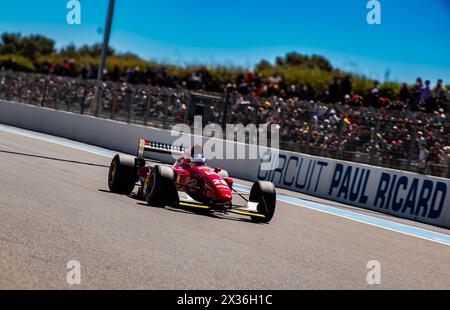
x=413, y=126
x=418, y=97
x=397, y=134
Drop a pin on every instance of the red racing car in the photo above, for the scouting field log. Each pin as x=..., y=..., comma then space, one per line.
x=188, y=184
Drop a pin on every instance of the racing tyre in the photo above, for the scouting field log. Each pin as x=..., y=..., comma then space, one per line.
x=122, y=175
x=265, y=195
x=161, y=190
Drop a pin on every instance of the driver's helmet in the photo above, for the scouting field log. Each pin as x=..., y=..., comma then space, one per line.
x=198, y=160
x=197, y=157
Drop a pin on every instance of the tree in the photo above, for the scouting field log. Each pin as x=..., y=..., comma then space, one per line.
x=31, y=47
x=321, y=63
x=69, y=51
x=295, y=59
x=10, y=43
x=95, y=50
x=37, y=45
x=263, y=65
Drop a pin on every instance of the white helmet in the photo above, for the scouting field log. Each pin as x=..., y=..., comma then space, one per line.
x=198, y=159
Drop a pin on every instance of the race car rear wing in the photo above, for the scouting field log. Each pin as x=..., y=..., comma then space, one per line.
x=146, y=147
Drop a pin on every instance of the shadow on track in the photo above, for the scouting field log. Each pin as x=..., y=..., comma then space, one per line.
x=52, y=158
x=211, y=215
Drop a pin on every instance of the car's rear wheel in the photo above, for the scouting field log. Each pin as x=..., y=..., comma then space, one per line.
x=161, y=190
x=264, y=194
x=122, y=175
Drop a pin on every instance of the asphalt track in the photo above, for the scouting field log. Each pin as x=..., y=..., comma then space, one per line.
x=55, y=207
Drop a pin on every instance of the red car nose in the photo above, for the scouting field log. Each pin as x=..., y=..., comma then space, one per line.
x=224, y=195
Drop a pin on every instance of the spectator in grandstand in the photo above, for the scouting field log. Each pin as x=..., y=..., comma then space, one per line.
x=10, y=64
x=115, y=73
x=373, y=96
x=149, y=76
x=423, y=154
x=161, y=77
x=405, y=95
x=417, y=95
x=292, y=91
x=439, y=90
x=448, y=103
x=357, y=101
x=426, y=98
x=335, y=88
x=88, y=72
x=195, y=81
x=439, y=95
x=304, y=92
x=376, y=88
x=132, y=74
x=180, y=118
x=436, y=154
x=346, y=87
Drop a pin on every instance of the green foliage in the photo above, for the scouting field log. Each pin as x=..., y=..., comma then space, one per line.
x=80, y=60
x=126, y=61
x=390, y=89
x=315, y=78
x=294, y=59
x=21, y=63
x=69, y=51
x=314, y=71
x=263, y=66
x=31, y=47
x=95, y=50
x=362, y=85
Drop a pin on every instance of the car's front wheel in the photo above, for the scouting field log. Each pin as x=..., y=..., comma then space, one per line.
x=264, y=194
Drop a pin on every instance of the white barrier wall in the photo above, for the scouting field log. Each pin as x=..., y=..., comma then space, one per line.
x=403, y=194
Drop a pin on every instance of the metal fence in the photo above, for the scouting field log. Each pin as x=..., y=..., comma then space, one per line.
x=399, y=139
x=149, y=106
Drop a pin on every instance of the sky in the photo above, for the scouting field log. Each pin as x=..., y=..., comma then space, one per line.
x=413, y=38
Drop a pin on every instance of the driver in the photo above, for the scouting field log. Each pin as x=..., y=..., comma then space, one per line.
x=197, y=156
x=198, y=160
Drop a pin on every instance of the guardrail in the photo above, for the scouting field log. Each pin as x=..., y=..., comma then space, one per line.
x=399, y=139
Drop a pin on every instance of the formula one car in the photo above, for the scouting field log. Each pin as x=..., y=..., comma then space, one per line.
x=188, y=184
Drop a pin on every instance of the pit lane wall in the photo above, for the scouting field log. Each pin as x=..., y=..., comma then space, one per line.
x=402, y=194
